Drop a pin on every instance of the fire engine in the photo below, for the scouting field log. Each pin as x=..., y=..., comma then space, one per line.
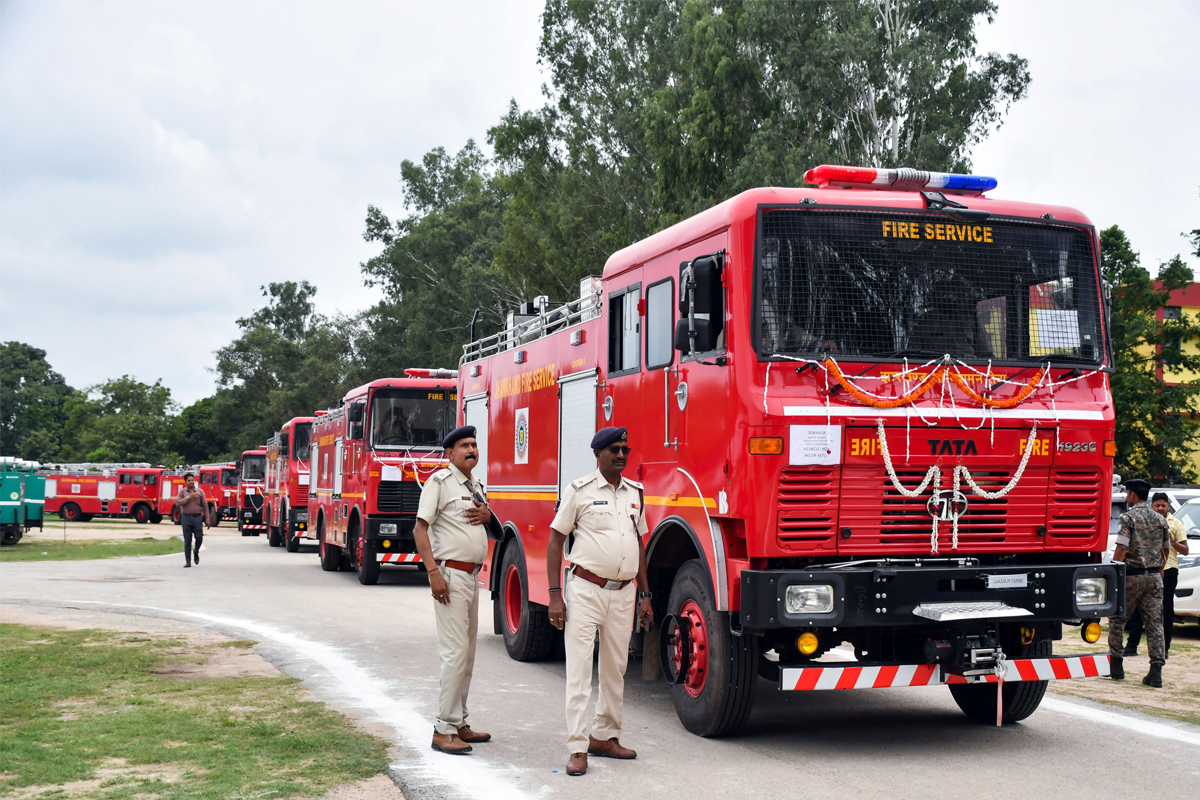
x=286, y=511
x=873, y=413
x=219, y=482
x=253, y=466
x=79, y=492
x=370, y=457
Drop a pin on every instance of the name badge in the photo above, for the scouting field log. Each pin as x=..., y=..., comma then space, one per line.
x=466, y=498
x=599, y=502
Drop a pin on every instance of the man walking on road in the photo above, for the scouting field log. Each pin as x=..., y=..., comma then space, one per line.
x=605, y=516
x=1179, y=547
x=192, y=507
x=451, y=537
x=1142, y=543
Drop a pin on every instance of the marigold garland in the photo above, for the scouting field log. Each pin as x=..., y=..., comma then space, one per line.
x=866, y=399
x=923, y=388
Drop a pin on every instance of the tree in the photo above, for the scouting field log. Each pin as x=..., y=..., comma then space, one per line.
x=120, y=420
x=32, y=398
x=1156, y=434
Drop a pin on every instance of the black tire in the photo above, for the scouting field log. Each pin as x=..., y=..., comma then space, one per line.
x=141, y=514
x=331, y=554
x=155, y=518
x=528, y=634
x=11, y=537
x=176, y=517
x=726, y=695
x=214, y=518
x=978, y=701
x=291, y=538
x=70, y=512
x=86, y=517
x=364, y=557
x=273, y=537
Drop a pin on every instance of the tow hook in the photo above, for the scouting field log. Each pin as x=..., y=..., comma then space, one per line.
x=972, y=657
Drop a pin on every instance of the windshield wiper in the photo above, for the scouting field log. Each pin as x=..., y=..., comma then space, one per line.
x=913, y=351
x=936, y=201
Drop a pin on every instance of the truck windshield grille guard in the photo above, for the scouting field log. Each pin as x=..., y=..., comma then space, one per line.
x=885, y=286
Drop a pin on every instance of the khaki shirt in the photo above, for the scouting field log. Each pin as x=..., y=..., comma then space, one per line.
x=192, y=502
x=445, y=499
x=607, y=521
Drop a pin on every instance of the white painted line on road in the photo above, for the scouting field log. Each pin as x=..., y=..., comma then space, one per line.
x=474, y=777
x=1143, y=726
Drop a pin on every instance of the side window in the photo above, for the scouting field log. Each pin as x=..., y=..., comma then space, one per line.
x=126, y=478
x=660, y=324
x=624, y=330
x=151, y=480
x=137, y=479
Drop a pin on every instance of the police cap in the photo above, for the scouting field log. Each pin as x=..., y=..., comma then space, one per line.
x=607, y=436
x=465, y=432
x=1139, y=487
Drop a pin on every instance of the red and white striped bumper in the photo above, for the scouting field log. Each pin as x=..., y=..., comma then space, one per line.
x=398, y=558
x=254, y=527
x=799, y=679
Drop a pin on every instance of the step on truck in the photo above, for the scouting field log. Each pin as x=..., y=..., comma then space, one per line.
x=80, y=492
x=871, y=416
x=252, y=471
x=287, y=485
x=219, y=482
x=370, y=457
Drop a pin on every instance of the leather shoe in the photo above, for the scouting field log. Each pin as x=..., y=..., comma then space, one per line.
x=450, y=743
x=577, y=764
x=1130, y=650
x=610, y=749
x=472, y=737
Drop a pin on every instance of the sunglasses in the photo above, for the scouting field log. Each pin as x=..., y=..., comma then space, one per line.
x=620, y=449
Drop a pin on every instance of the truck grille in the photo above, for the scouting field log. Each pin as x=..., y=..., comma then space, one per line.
x=399, y=496
x=301, y=495
x=807, y=509
x=1074, y=508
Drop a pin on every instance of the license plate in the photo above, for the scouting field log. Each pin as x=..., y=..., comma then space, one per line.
x=1008, y=581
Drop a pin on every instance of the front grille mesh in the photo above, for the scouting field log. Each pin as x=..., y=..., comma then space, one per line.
x=1074, y=503
x=807, y=509
x=399, y=496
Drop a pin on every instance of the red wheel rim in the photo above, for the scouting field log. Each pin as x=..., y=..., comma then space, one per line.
x=697, y=673
x=512, y=599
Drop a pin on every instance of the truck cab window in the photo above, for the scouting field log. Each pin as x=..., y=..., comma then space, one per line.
x=624, y=329
x=409, y=418
x=229, y=477
x=125, y=479
x=302, y=440
x=660, y=324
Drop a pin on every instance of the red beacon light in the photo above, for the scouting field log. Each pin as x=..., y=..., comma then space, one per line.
x=903, y=179
x=431, y=373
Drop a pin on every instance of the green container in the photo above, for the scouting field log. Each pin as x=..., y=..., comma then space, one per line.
x=12, y=500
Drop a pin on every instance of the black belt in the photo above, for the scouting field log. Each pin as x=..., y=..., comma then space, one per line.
x=1141, y=570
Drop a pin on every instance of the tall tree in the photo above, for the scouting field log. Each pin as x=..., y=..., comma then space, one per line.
x=32, y=403
x=120, y=420
x=1156, y=434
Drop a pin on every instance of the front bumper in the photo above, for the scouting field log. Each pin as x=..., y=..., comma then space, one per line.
x=888, y=676
x=887, y=595
x=401, y=546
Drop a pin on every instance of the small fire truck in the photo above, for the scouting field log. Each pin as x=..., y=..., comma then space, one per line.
x=370, y=457
x=219, y=482
x=871, y=417
x=253, y=469
x=286, y=491
x=79, y=492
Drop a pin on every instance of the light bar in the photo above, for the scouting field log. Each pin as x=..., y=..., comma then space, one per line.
x=902, y=179
x=431, y=373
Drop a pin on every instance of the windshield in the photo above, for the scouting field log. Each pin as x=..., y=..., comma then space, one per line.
x=301, y=440
x=888, y=286
x=229, y=477
x=253, y=468
x=1189, y=515
x=411, y=417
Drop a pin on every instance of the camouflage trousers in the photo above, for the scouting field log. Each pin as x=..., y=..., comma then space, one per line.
x=1142, y=593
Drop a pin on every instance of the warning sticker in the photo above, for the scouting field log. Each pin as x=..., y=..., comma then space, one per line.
x=815, y=444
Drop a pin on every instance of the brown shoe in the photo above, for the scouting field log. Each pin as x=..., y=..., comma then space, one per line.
x=449, y=743
x=577, y=764
x=472, y=737
x=610, y=749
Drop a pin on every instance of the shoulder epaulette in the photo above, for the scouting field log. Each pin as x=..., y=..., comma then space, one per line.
x=634, y=484
x=579, y=483
x=440, y=475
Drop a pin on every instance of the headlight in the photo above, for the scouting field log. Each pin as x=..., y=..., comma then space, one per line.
x=1091, y=591
x=809, y=599
x=302, y=516
x=1189, y=561
x=387, y=528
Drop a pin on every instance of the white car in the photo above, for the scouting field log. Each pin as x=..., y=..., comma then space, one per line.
x=1187, y=593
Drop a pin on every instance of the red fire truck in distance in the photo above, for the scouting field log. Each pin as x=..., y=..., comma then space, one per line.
x=871, y=417
x=219, y=482
x=253, y=468
x=286, y=510
x=370, y=457
x=79, y=492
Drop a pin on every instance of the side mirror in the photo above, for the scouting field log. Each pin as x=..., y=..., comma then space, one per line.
x=701, y=304
x=355, y=412
x=356, y=430
x=709, y=294
x=706, y=337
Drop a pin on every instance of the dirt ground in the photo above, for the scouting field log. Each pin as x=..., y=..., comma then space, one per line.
x=202, y=654
x=116, y=529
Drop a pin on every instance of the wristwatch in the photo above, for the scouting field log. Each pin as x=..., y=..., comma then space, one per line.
x=645, y=595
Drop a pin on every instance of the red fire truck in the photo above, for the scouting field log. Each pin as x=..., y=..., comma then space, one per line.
x=876, y=412
x=287, y=487
x=370, y=457
x=219, y=482
x=250, y=491
x=79, y=492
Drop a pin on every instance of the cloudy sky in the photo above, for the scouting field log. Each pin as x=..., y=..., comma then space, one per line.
x=161, y=161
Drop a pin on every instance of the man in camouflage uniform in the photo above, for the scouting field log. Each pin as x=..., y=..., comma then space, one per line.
x=1142, y=544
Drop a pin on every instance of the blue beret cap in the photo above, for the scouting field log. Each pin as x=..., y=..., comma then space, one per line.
x=1139, y=486
x=607, y=436
x=465, y=432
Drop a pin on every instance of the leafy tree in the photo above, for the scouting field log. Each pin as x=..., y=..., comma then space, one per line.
x=120, y=420
x=1156, y=435
x=32, y=398
x=196, y=435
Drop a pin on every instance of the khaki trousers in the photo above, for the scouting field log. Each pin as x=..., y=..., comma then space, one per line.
x=457, y=625
x=591, y=608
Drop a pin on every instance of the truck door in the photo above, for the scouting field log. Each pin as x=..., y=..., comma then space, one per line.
x=337, y=467
x=577, y=410
x=660, y=380
x=475, y=412
x=622, y=404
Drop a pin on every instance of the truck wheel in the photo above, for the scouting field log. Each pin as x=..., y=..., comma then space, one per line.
x=214, y=519
x=175, y=516
x=364, y=559
x=528, y=634
x=1021, y=698
x=70, y=512
x=331, y=554
x=291, y=538
x=715, y=692
x=273, y=536
x=11, y=537
x=155, y=518
x=141, y=514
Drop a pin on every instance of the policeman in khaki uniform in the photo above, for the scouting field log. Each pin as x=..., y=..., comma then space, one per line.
x=603, y=513
x=1142, y=543
x=451, y=537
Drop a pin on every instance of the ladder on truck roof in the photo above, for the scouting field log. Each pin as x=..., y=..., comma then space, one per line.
x=536, y=320
x=88, y=467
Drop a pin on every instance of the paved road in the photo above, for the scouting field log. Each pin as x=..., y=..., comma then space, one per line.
x=371, y=650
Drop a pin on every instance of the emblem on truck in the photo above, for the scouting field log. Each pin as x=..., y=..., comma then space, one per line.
x=947, y=505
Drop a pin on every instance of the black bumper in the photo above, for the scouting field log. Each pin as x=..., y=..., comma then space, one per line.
x=250, y=516
x=400, y=541
x=298, y=519
x=873, y=596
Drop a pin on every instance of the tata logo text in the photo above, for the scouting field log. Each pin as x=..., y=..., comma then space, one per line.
x=952, y=447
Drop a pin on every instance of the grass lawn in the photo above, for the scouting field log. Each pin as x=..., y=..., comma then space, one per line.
x=48, y=550
x=84, y=715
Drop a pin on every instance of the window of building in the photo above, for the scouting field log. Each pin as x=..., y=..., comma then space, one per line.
x=624, y=330
x=1172, y=312
x=660, y=324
